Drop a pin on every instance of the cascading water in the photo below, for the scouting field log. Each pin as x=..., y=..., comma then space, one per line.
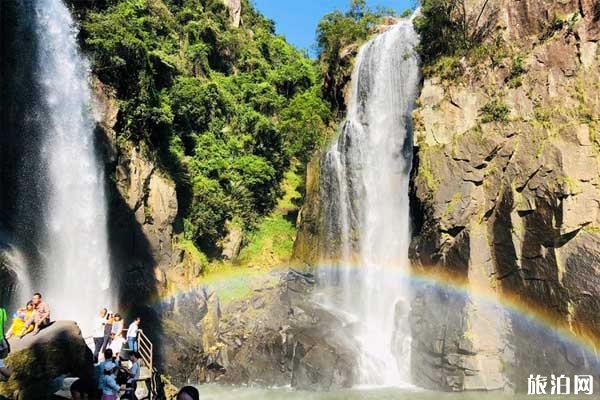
x=75, y=277
x=365, y=176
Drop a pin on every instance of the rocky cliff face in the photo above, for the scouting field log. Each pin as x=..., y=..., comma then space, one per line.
x=506, y=196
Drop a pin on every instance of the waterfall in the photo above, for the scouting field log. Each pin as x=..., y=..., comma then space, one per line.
x=75, y=275
x=365, y=178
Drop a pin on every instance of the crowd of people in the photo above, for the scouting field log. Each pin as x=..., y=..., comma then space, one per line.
x=109, y=333
x=117, y=373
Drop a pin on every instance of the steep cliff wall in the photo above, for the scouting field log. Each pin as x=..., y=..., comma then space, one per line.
x=506, y=196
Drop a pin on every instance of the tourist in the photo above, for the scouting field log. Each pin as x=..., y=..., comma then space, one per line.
x=188, y=393
x=132, y=334
x=133, y=376
x=5, y=372
x=109, y=361
x=98, y=335
x=107, y=364
x=108, y=385
x=107, y=331
x=40, y=318
x=22, y=315
x=116, y=344
x=83, y=388
x=118, y=325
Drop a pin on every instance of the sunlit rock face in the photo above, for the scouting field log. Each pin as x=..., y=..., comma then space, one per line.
x=510, y=207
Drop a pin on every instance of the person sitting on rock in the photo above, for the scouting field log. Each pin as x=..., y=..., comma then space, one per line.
x=22, y=315
x=40, y=318
x=188, y=393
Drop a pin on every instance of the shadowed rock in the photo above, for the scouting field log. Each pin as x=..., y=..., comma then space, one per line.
x=38, y=360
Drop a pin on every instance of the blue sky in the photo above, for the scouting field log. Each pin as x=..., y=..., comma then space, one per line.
x=297, y=19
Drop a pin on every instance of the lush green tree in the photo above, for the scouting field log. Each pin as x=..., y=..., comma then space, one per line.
x=225, y=110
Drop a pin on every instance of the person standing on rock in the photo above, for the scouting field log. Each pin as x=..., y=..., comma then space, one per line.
x=132, y=334
x=40, y=318
x=99, y=329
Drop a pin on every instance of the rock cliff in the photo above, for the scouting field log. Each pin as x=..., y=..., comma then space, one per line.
x=506, y=196
x=58, y=350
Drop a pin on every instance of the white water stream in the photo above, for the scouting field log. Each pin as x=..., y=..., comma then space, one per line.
x=368, y=168
x=76, y=275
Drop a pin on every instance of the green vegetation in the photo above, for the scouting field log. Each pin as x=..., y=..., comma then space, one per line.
x=338, y=36
x=452, y=29
x=517, y=69
x=272, y=242
x=495, y=110
x=224, y=110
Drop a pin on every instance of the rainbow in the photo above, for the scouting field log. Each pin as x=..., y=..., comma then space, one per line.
x=536, y=316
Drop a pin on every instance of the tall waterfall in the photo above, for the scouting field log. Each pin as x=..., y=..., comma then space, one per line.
x=365, y=177
x=75, y=277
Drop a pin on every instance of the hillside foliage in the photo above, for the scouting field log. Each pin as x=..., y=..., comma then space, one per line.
x=225, y=110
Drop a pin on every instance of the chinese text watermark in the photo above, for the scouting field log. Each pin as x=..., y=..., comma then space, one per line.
x=582, y=384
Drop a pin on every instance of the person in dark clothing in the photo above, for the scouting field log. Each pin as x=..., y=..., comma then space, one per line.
x=107, y=331
x=83, y=388
x=188, y=393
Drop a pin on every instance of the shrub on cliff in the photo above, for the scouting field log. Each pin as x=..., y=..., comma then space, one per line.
x=336, y=33
x=225, y=109
x=453, y=27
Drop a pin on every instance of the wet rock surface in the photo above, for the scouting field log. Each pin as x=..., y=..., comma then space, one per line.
x=276, y=337
x=38, y=360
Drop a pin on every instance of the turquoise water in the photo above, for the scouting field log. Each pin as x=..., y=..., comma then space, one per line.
x=214, y=392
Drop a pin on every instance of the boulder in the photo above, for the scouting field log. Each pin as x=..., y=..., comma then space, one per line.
x=192, y=350
x=280, y=338
x=39, y=360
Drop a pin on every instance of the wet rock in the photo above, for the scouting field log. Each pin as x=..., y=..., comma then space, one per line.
x=38, y=360
x=192, y=351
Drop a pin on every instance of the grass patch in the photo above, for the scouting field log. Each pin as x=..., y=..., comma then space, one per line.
x=272, y=242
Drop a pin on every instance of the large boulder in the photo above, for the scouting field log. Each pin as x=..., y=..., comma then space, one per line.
x=279, y=337
x=192, y=351
x=38, y=360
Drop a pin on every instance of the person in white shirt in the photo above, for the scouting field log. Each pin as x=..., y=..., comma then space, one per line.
x=132, y=334
x=99, y=325
x=116, y=344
